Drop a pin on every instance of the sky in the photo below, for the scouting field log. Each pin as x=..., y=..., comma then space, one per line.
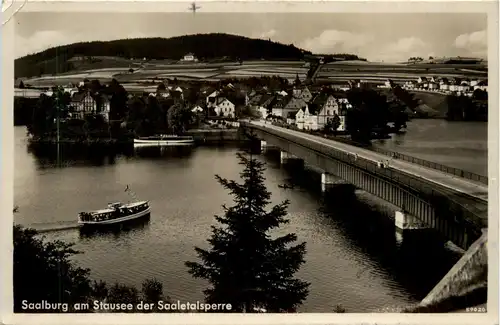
x=391, y=37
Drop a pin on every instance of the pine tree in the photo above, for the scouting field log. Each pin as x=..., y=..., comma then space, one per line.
x=245, y=265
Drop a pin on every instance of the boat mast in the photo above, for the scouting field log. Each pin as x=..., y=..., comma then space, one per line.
x=131, y=193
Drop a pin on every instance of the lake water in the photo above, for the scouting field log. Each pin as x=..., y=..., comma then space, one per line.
x=354, y=257
x=462, y=145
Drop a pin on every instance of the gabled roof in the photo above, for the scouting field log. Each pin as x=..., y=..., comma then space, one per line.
x=483, y=83
x=78, y=97
x=196, y=108
x=320, y=99
x=220, y=100
x=255, y=100
x=296, y=103
x=266, y=101
x=280, y=102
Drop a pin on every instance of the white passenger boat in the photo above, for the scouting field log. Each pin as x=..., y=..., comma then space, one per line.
x=164, y=140
x=115, y=213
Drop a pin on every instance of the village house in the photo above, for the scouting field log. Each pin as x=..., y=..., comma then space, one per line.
x=444, y=84
x=474, y=82
x=212, y=98
x=261, y=103
x=223, y=107
x=454, y=84
x=293, y=105
x=282, y=93
x=189, y=57
x=483, y=85
x=410, y=84
x=88, y=104
x=290, y=119
x=311, y=118
x=197, y=109
x=433, y=86
x=301, y=116
x=326, y=108
x=278, y=106
x=302, y=92
x=464, y=86
x=422, y=80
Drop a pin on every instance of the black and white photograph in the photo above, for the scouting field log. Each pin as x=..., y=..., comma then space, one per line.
x=195, y=161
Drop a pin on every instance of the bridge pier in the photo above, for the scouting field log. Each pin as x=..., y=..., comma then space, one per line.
x=264, y=146
x=289, y=159
x=329, y=180
x=409, y=226
x=405, y=221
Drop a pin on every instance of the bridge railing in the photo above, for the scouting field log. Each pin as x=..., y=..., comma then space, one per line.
x=397, y=155
x=467, y=215
x=433, y=165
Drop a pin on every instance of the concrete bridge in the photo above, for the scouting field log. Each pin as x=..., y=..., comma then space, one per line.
x=455, y=207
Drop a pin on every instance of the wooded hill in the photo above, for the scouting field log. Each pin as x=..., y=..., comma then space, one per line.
x=203, y=46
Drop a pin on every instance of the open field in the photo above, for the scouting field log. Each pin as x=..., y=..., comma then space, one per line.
x=398, y=72
x=189, y=71
x=336, y=72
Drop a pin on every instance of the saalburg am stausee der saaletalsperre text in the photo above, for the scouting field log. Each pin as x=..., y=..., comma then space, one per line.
x=141, y=306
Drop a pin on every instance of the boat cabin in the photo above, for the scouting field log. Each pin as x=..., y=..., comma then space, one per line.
x=114, y=211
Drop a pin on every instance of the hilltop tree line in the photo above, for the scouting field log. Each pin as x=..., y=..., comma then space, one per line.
x=204, y=46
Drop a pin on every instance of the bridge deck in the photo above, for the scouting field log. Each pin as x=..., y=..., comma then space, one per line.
x=471, y=191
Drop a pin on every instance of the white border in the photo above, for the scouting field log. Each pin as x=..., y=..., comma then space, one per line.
x=7, y=72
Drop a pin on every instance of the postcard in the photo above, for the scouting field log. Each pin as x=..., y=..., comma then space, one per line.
x=250, y=162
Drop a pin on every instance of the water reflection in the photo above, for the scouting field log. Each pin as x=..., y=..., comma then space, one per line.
x=71, y=155
x=68, y=155
x=416, y=260
x=163, y=151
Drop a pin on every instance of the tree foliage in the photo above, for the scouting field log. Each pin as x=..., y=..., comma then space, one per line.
x=246, y=265
x=464, y=108
x=179, y=117
x=332, y=124
x=371, y=114
x=59, y=280
x=56, y=280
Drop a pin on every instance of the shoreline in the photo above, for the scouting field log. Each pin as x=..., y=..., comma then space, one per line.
x=201, y=137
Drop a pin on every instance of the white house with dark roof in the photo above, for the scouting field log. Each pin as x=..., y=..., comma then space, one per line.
x=197, y=109
x=212, y=98
x=223, y=107
x=189, y=57
x=90, y=104
x=483, y=85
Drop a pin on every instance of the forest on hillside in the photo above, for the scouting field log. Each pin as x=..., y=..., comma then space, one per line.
x=204, y=46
